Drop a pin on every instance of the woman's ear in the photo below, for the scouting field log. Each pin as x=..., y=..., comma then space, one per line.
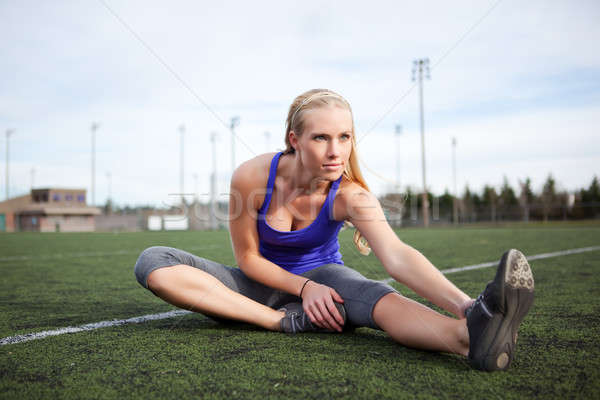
x=293, y=140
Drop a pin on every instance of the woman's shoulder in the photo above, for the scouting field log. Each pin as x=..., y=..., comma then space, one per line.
x=349, y=190
x=251, y=175
x=350, y=197
x=253, y=170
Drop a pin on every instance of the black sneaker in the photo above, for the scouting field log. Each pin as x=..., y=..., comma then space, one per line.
x=296, y=320
x=494, y=318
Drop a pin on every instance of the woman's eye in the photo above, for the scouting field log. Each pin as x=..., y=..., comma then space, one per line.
x=345, y=137
x=319, y=137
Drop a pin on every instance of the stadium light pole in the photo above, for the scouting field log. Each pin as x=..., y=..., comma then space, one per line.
x=181, y=161
x=234, y=122
x=213, y=182
x=420, y=67
x=454, y=200
x=94, y=128
x=398, y=131
x=9, y=132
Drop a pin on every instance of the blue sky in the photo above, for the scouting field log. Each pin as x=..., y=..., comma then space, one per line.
x=518, y=85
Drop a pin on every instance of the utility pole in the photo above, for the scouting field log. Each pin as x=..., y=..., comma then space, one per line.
x=420, y=67
x=235, y=121
x=267, y=141
x=32, y=177
x=181, y=153
x=398, y=130
x=455, y=197
x=213, y=182
x=8, y=133
x=95, y=127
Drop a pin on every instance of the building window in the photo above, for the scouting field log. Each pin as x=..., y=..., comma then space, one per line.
x=69, y=197
x=56, y=197
x=81, y=198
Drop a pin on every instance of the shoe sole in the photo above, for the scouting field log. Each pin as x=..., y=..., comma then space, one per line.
x=516, y=279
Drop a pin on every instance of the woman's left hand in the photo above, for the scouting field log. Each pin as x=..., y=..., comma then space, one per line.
x=317, y=301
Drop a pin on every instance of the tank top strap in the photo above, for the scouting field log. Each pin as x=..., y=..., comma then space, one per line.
x=331, y=197
x=270, y=182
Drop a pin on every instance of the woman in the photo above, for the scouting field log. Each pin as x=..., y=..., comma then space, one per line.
x=286, y=210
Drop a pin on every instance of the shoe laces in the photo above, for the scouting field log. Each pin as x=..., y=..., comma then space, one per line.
x=479, y=301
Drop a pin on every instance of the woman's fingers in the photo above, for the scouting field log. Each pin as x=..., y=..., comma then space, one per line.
x=315, y=316
x=336, y=296
x=328, y=315
x=321, y=313
x=335, y=313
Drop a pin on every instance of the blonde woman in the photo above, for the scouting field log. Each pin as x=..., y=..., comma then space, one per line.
x=286, y=210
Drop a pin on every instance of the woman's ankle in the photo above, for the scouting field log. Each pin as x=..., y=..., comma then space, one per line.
x=462, y=334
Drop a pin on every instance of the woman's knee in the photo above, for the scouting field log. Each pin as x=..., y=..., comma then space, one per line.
x=148, y=257
x=149, y=260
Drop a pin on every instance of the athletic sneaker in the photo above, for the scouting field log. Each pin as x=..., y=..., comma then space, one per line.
x=296, y=320
x=494, y=318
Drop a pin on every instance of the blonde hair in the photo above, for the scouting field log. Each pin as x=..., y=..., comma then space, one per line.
x=317, y=98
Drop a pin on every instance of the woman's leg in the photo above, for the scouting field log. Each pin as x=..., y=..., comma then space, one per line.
x=377, y=305
x=415, y=325
x=197, y=284
x=195, y=290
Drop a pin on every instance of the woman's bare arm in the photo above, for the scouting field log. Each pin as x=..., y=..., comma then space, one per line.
x=404, y=263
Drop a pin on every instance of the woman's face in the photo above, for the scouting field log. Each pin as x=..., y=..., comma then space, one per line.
x=326, y=143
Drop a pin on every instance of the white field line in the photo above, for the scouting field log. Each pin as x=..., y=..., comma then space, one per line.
x=89, y=327
x=174, y=313
x=495, y=263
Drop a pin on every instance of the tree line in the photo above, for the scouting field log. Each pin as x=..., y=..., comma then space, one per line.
x=505, y=204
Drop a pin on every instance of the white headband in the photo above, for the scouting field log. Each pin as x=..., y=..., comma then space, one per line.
x=311, y=98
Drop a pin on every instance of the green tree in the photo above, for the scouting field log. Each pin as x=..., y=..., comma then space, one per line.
x=590, y=199
x=526, y=198
x=489, y=199
x=446, y=205
x=467, y=204
x=548, y=196
x=506, y=199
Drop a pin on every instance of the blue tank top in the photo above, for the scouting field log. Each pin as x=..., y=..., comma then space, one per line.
x=304, y=249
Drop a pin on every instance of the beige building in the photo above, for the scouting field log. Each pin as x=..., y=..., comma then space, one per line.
x=48, y=210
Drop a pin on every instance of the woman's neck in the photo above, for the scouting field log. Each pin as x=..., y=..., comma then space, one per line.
x=300, y=179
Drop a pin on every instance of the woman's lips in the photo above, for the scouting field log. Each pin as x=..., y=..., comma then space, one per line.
x=332, y=166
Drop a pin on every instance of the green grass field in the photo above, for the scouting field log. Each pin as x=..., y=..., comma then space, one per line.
x=51, y=281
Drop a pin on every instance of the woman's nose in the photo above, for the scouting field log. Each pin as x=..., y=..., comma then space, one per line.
x=333, y=149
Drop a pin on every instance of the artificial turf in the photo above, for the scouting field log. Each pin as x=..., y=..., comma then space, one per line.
x=56, y=280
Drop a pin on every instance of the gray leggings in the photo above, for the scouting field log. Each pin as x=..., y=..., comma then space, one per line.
x=359, y=293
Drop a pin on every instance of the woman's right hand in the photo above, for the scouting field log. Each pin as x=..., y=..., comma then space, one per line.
x=317, y=301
